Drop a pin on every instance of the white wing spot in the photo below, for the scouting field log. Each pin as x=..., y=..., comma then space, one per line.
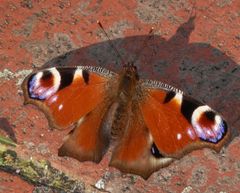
x=178, y=97
x=179, y=136
x=191, y=133
x=60, y=107
x=53, y=99
x=77, y=74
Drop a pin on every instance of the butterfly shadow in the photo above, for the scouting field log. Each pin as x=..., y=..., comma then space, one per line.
x=199, y=69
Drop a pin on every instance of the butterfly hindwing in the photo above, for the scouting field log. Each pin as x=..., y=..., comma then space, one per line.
x=180, y=124
x=135, y=152
x=89, y=140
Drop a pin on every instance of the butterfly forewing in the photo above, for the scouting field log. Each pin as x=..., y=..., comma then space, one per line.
x=178, y=123
x=67, y=94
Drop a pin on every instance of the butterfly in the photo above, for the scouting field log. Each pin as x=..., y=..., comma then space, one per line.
x=148, y=123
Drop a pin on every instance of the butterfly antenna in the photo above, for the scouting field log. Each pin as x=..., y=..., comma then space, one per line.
x=143, y=45
x=110, y=42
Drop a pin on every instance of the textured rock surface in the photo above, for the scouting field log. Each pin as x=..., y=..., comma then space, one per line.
x=198, y=55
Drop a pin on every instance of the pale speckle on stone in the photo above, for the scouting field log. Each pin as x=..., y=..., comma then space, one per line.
x=43, y=149
x=187, y=189
x=100, y=184
x=20, y=75
x=6, y=74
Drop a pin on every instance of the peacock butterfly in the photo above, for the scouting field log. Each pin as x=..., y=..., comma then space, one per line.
x=149, y=123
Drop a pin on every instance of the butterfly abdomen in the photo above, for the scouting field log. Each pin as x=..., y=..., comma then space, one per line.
x=119, y=122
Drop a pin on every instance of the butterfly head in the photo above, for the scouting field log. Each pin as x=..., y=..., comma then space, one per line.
x=129, y=78
x=130, y=71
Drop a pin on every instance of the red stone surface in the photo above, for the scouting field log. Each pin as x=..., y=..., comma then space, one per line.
x=13, y=184
x=200, y=56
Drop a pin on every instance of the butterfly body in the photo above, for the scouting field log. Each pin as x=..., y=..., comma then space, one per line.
x=127, y=95
x=148, y=122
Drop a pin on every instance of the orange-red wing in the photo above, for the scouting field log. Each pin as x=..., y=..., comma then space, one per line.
x=135, y=152
x=90, y=138
x=67, y=94
x=178, y=123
